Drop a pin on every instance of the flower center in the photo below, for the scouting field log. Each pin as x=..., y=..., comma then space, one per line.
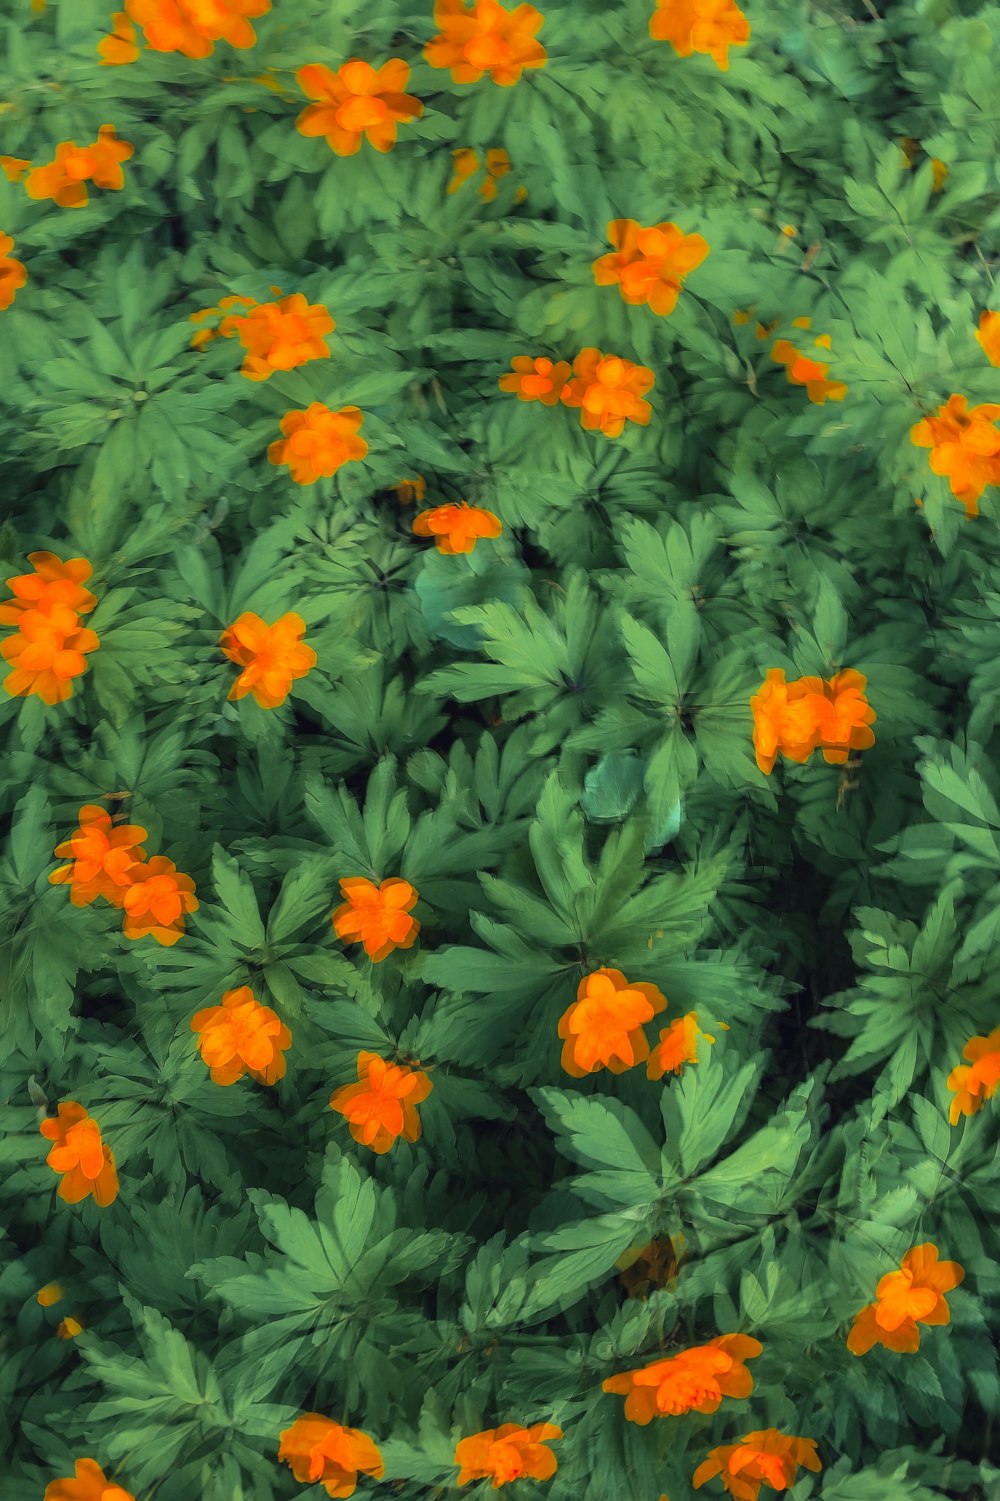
x=362, y=112
x=487, y=52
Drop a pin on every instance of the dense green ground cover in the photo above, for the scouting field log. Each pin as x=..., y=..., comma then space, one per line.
x=550, y=738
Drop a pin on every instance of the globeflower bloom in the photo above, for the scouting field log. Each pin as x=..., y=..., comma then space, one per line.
x=192, y=27
x=466, y=164
x=102, y=856
x=988, y=337
x=707, y=26
x=240, y=1036
x=281, y=335
x=46, y=653
x=377, y=916
x=766, y=1457
x=52, y=583
x=801, y=370
x=91, y=1484
x=536, y=378
x=13, y=273
x=649, y=265
x=965, y=446
x=603, y=1027
x=457, y=528
x=485, y=38
x=120, y=47
x=68, y=1328
x=63, y=180
x=85, y=1162
x=272, y=656
x=319, y=1450
x=157, y=901
x=357, y=102
x=976, y=1081
x=905, y=1299
x=382, y=1106
x=507, y=1453
x=678, y=1045
x=811, y=713
x=318, y=442
x=51, y=1293
x=696, y=1380
x=409, y=490
x=609, y=390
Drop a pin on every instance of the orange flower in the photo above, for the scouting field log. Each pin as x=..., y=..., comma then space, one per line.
x=84, y=1160
x=677, y=1046
x=281, y=335
x=507, y=1453
x=53, y=582
x=382, y=1106
x=538, y=379
x=649, y=265
x=975, y=1082
x=708, y=26
x=68, y=1328
x=466, y=164
x=272, y=656
x=91, y=1484
x=845, y=727
x=802, y=371
x=47, y=652
x=457, y=527
x=121, y=46
x=603, y=1027
x=13, y=273
x=240, y=1036
x=485, y=39
x=914, y=1295
x=103, y=856
x=766, y=1457
x=192, y=27
x=988, y=336
x=410, y=490
x=965, y=445
x=318, y=1449
x=51, y=1293
x=157, y=901
x=609, y=390
x=63, y=179
x=356, y=102
x=318, y=442
x=377, y=916
x=696, y=1380
x=800, y=717
x=14, y=167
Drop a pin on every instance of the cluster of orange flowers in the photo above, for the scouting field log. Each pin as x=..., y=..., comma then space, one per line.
x=466, y=164
x=904, y=1299
x=276, y=335
x=318, y=442
x=648, y=265
x=802, y=370
x=975, y=1081
x=63, y=179
x=49, y=646
x=707, y=26
x=828, y=714
x=109, y=864
x=964, y=445
x=608, y=390
x=13, y=273
x=85, y=1163
x=90, y=1484
x=457, y=528
x=382, y=1106
x=603, y=1028
x=190, y=27
x=272, y=656
x=240, y=1036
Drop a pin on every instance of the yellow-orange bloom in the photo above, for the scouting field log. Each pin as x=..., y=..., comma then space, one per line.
x=377, y=916
x=282, y=335
x=765, y=1457
x=811, y=713
x=695, y=1380
x=46, y=653
x=965, y=446
x=677, y=1046
x=457, y=528
x=318, y=442
x=157, y=901
x=976, y=1081
x=609, y=391
x=192, y=27
x=905, y=1299
x=91, y=1484
x=68, y=1328
x=63, y=180
x=706, y=26
x=52, y=583
x=51, y=1293
x=13, y=273
x=603, y=1027
x=240, y=1036
x=536, y=379
x=988, y=337
x=121, y=46
x=507, y=1453
x=466, y=164
x=649, y=265
x=803, y=371
x=382, y=1106
x=272, y=656
x=15, y=168
x=484, y=37
x=103, y=857
x=320, y=1451
x=357, y=102
x=85, y=1161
